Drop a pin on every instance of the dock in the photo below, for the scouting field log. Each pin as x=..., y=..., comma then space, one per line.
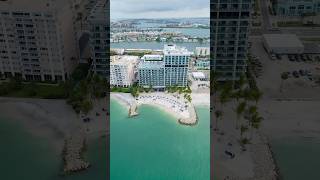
x=192, y=120
x=133, y=110
x=72, y=154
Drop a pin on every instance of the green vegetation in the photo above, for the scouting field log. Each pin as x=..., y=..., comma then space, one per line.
x=134, y=90
x=180, y=90
x=83, y=88
x=17, y=88
x=80, y=90
x=246, y=96
x=140, y=54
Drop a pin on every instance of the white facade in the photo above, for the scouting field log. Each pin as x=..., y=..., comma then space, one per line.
x=122, y=70
x=202, y=51
x=38, y=39
x=169, y=69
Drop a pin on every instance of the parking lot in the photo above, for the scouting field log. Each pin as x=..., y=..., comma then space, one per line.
x=303, y=72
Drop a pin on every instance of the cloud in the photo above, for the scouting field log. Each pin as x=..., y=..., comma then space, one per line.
x=159, y=8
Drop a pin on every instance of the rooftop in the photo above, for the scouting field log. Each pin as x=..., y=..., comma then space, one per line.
x=123, y=60
x=151, y=65
x=172, y=49
x=198, y=75
x=153, y=57
x=282, y=40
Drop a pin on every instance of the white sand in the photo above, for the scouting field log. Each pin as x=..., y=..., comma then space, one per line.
x=51, y=119
x=173, y=104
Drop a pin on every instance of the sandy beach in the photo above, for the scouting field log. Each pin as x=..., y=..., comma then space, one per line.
x=173, y=104
x=51, y=119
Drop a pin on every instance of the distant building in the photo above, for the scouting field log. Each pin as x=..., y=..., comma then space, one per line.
x=202, y=64
x=202, y=51
x=230, y=23
x=99, y=37
x=122, y=70
x=296, y=7
x=169, y=69
x=38, y=39
x=282, y=44
x=199, y=76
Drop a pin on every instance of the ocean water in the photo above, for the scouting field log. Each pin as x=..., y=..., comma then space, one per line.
x=298, y=158
x=154, y=146
x=24, y=156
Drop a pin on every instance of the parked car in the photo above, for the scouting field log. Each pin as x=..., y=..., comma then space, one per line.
x=291, y=57
x=278, y=56
x=297, y=58
x=308, y=73
x=273, y=57
x=302, y=72
x=295, y=74
x=309, y=57
x=303, y=57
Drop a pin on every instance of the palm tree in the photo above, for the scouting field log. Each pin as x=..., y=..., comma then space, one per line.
x=242, y=81
x=255, y=122
x=243, y=129
x=256, y=95
x=218, y=114
x=284, y=76
x=240, y=110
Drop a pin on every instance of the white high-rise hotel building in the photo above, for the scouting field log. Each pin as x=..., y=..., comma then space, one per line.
x=38, y=38
x=122, y=70
x=171, y=69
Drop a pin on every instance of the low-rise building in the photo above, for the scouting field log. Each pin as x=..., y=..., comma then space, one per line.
x=122, y=70
x=282, y=44
x=202, y=64
x=202, y=51
x=296, y=7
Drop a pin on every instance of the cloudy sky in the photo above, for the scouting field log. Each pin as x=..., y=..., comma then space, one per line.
x=159, y=8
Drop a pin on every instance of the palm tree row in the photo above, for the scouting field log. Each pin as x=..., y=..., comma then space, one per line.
x=246, y=109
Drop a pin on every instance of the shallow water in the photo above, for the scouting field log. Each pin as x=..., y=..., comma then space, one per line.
x=24, y=156
x=298, y=158
x=154, y=146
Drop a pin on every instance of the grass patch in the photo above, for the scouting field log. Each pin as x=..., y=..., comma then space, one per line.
x=33, y=90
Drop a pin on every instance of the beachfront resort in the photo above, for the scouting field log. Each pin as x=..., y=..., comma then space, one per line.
x=162, y=78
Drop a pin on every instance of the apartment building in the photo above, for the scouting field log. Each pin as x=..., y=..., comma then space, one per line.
x=38, y=39
x=99, y=38
x=122, y=70
x=230, y=22
x=151, y=71
x=296, y=7
x=176, y=62
x=169, y=69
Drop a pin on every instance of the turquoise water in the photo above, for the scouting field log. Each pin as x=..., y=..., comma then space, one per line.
x=297, y=158
x=154, y=146
x=24, y=156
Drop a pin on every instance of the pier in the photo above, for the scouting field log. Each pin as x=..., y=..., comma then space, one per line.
x=73, y=154
x=192, y=120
